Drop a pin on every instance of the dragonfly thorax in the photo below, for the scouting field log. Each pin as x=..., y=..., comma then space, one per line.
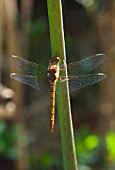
x=53, y=69
x=53, y=74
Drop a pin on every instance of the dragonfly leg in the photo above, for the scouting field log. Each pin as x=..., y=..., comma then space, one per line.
x=62, y=79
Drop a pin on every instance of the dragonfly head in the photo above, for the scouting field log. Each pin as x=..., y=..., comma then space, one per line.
x=55, y=60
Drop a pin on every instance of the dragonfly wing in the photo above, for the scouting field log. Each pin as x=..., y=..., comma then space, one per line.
x=27, y=67
x=84, y=66
x=32, y=81
x=85, y=80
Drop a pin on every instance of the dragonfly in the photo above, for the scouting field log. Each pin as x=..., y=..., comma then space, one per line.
x=32, y=74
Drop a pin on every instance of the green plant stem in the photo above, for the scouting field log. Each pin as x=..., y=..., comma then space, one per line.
x=63, y=101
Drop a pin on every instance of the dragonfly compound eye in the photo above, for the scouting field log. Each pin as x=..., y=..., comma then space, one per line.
x=55, y=60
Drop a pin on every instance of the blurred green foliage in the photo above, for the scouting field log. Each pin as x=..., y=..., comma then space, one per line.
x=94, y=152
x=37, y=28
x=110, y=142
x=8, y=138
x=45, y=161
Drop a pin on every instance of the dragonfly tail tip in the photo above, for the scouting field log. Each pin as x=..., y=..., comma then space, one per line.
x=51, y=129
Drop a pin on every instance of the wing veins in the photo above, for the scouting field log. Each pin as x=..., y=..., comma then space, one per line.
x=26, y=66
x=33, y=81
x=84, y=66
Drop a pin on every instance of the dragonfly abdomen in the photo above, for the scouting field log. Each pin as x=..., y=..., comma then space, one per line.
x=52, y=105
x=53, y=74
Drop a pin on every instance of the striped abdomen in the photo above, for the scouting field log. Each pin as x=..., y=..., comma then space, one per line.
x=52, y=105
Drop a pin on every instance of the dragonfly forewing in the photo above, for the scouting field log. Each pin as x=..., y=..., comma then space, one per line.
x=27, y=67
x=84, y=66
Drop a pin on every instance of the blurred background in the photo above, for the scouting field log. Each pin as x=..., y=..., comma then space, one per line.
x=25, y=140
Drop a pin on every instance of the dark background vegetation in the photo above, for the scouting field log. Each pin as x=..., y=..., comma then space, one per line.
x=25, y=140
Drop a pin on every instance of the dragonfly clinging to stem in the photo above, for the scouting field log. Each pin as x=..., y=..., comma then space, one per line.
x=54, y=73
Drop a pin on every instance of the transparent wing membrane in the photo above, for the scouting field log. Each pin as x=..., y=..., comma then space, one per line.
x=84, y=66
x=33, y=81
x=85, y=80
x=78, y=82
x=27, y=67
